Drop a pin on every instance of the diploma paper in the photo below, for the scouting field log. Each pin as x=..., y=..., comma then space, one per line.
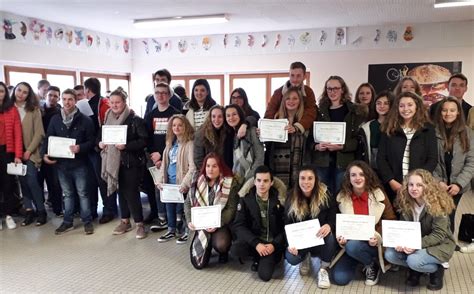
x=401, y=233
x=84, y=107
x=58, y=147
x=206, y=217
x=303, y=234
x=171, y=194
x=114, y=134
x=273, y=130
x=155, y=173
x=329, y=132
x=355, y=226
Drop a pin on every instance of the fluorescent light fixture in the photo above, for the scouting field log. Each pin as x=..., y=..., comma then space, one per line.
x=452, y=3
x=150, y=23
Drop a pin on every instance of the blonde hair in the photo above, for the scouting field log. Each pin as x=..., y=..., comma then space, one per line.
x=437, y=201
x=283, y=112
x=188, y=134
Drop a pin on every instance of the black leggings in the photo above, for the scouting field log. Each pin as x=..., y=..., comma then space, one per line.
x=129, y=193
x=220, y=240
x=456, y=200
x=8, y=200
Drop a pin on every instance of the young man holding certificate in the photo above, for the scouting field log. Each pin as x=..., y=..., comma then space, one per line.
x=258, y=227
x=72, y=170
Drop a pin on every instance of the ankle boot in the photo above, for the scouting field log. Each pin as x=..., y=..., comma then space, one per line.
x=413, y=278
x=29, y=218
x=42, y=218
x=436, y=279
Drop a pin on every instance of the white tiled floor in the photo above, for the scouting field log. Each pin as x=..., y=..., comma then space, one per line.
x=33, y=259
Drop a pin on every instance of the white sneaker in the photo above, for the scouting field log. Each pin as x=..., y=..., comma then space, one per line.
x=323, y=279
x=10, y=222
x=305, y=265
x=445, y=265
x=468, y=249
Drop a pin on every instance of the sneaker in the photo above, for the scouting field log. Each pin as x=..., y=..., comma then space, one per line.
x=445, y=265
x=89, y=228
x=323, y=279
x=63, y=228
x=160, y=226
x=166, y=237
x=372, y=273
x=468, y=249
x=141, y=232
x=183, y=239
x=42, y=218
x=59, y=214
x=305, y=265
x=122, y=228
x=10, y=222
x=29, y=218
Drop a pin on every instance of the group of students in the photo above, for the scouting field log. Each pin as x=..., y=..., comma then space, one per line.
x=214, y=153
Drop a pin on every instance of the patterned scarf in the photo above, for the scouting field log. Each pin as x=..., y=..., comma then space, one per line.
x=68, y=118
x=205, y=196
x=243, y=159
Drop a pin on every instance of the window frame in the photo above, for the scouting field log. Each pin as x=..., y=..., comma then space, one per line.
x=43, y=71
x=125, y=77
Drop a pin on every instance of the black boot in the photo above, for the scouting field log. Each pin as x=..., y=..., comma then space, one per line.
x=42, y=218
x=29, y=218
x=436, y=279
x=413, y=278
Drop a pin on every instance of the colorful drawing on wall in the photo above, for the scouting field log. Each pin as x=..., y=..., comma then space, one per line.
x=126, y=46
x=206, y=43
x=224, y=41
x=59, y=34
x=323, y=37
x=264, y=40
x=168, y=45
x=79, y=37
x=107, y=44
x=250, y=41
x=49, y=35
x=341, y=36
x=145, y=45
x=277, y=40
x=69, y=37
x=37, y=28
x=378, y=33
x=182, y=45
x=90, y=40
x=237, y=42
x=8, y=28
x=392, y=36
x=432, y=76
x=305, y=38
x=97, y=41
x=291, y=41
x=357, y=41
x=157, y=45
x=408, y=35
x=23, y=29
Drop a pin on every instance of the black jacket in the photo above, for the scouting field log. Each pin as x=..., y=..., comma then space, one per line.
x=247, y=222
x=423, y=153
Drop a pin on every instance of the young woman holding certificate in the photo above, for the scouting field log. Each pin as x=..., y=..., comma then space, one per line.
x=307, y=201
x=422, y=200
x=285, y=159
x=408, y=142
x=361, y=193
x=331, y=159
x=177, y=168
x=212, y=185
x=123, y=164
x=455, y=167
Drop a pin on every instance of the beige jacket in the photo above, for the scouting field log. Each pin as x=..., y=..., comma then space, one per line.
x=33, y=134
x=380, y=207
x=470, y=118
x=184, y=166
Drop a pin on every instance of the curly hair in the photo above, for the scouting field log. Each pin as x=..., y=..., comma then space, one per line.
x=188, y=133
x=394, y=121
x=437, y=201
x=398, y=89
x=372, y=182
x=346, y=94
x=458, y=126
x=283, y=113
x=296, y=201
x=211, y=135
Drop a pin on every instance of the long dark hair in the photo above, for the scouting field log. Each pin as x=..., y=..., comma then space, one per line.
x=31, y=102
x=224, y=170
x=7, y=102
x=193, y=104
x=372, y=182
x=212, y=136
x=371, y=113
x=240, y=112
x=458, y=127
x=248, y=111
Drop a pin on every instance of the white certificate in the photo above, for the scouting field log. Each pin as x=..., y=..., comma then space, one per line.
x=155, y=173
x=206, y=217
x=59, y=147
x=329, y=132
x=303, y=234
x=84, y=107
x=171, y=194
x=401, y=233
x=273, y=130
x=355, y=226
x=114, y=134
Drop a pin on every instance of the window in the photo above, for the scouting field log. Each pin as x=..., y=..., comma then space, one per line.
x=61, y=78
x=216, y=82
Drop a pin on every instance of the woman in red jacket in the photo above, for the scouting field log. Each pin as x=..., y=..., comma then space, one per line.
x=10, y=151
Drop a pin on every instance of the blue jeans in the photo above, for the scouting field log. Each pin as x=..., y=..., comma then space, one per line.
x=344, y=271
x=75, y=180
x=162, y=211
x=31, y=188
x=174, y=210
x=324, y=252
x=420, y=260
x=332, y=177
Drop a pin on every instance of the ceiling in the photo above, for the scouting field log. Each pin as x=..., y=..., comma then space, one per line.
x=116, y=16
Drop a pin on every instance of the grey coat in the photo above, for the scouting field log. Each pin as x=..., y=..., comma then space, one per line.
x=462, y=165
x=250, y=144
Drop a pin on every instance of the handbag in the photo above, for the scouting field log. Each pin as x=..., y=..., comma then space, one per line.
x=466, y=228
x=16, y=169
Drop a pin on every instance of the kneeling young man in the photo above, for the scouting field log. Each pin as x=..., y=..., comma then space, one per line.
x=258, y=226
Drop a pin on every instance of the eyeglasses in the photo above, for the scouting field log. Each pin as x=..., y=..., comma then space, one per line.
x=161, y=93
x=333, y=89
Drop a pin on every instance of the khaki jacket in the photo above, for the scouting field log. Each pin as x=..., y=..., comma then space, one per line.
x=33, y=134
